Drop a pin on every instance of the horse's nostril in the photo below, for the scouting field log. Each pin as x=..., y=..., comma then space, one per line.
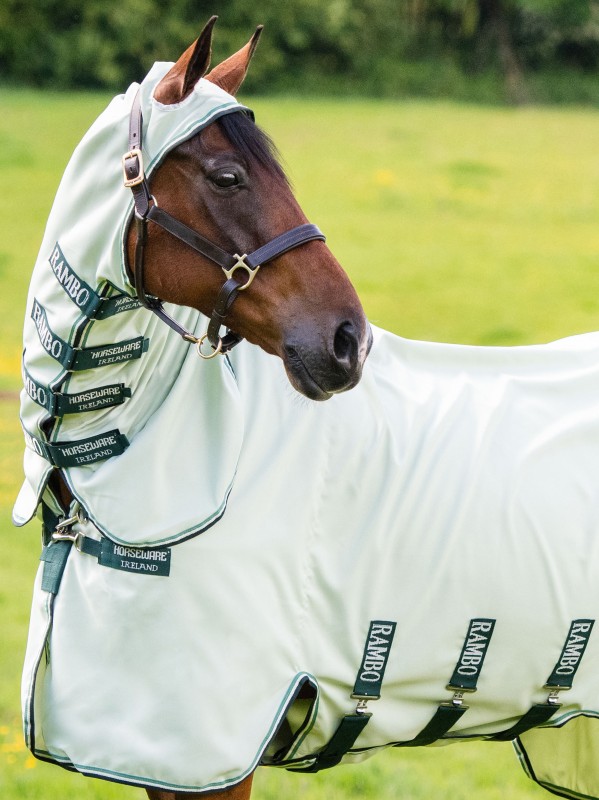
x=345, y=345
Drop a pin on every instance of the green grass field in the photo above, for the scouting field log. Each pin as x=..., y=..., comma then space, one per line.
x=457, y=223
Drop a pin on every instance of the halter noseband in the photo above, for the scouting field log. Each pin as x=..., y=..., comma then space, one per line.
x=146, y=209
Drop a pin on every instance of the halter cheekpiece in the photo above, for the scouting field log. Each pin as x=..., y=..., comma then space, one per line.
x=245, y=265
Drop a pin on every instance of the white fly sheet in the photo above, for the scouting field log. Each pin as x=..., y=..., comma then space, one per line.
x=455, y=487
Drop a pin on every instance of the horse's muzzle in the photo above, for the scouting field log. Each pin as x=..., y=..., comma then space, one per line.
x=319, y=369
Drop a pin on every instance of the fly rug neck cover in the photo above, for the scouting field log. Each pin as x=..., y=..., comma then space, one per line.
x=410, y=563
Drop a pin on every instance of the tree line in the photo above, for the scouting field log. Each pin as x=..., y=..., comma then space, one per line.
x=513, y=50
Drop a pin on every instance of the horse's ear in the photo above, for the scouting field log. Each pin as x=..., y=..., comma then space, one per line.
x=230, y=73
x=180, y=80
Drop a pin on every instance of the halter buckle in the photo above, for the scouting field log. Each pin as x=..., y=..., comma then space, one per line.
x=130, y=180
x=241, y=264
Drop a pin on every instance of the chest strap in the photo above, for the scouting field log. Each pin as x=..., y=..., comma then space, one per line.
x=61, y=538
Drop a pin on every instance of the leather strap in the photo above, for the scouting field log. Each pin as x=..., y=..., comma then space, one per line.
x=285, y=242
x=187, y=235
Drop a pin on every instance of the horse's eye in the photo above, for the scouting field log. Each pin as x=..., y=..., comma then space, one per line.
x=225, y=179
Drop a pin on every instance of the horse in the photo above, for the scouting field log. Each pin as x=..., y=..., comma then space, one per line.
x=241, y=573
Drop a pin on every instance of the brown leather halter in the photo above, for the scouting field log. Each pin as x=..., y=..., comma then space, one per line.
x=146, y=209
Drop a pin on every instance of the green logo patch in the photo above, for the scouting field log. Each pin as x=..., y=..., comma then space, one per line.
x=143, y=561
x=374, y=660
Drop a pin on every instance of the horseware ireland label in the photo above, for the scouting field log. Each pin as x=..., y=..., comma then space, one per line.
x=116, y=305
x=113, y=394
x=58, y=404
x=572, y=653
x=103, y=356
x=374, y=660
x=89, y=357
x=144, y=561
x=470, y=663
x=81, y=452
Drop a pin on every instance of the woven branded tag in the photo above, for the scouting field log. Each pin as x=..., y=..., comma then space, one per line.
x=469, y=666
x=58, y=404
x=143, y=561
x=89, y=357
x=374, y=660
x=80, y=452
x=578, y=637
x=90, y=302
x=105, y=355
x=77, y=289
x=116, y=304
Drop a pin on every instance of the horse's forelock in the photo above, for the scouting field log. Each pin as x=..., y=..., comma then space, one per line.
x=252, y=142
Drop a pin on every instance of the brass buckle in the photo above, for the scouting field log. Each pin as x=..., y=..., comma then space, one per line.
x=241, y=264
x=139, y=178
x=207, y=356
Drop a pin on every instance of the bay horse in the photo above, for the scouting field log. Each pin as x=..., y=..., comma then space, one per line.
x=319, y=358
x=389, y=568
x=224, y=187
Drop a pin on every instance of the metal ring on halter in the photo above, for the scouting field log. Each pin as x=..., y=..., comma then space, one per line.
x=241, y=264
x=214, y=353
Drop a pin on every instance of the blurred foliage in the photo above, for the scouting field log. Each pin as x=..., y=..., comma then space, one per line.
x=485, y=48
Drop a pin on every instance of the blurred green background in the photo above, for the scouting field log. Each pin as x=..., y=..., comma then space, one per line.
x=486, y=50
x=418, y=135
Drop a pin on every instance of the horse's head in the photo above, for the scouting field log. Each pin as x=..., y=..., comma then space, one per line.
x=226, y=184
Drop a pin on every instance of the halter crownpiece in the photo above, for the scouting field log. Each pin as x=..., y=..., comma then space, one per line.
x=146, y=208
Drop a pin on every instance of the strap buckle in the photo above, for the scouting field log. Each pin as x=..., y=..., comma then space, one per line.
x=133, y=173
x=64, y=529
x=70, y=536
x=457, y=700
x=554, y=699
x=241, y=264
x=362, y=707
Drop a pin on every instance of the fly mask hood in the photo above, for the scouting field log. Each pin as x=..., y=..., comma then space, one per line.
x=103, y=376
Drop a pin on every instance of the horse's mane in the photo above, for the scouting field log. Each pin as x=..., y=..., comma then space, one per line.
x=252, y=142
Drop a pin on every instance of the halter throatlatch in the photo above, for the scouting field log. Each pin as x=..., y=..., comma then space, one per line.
x=240, y=270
